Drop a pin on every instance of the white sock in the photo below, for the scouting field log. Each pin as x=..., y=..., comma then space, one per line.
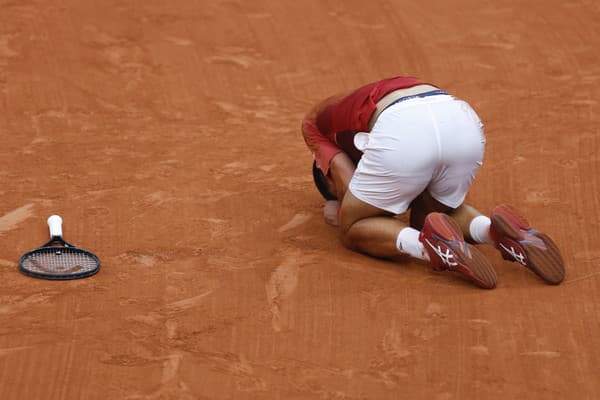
x=408, y=243
x=480, y=229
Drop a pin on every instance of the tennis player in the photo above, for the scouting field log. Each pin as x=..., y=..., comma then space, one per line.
x=401, y=144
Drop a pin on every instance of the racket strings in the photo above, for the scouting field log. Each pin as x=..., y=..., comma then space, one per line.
x=60, y=261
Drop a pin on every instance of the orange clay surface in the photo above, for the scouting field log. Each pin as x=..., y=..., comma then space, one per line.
x=167, y=135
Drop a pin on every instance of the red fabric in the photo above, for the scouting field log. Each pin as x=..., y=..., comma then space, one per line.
x=347, y=115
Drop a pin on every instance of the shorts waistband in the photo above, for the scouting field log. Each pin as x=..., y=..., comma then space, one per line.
x=414, y=96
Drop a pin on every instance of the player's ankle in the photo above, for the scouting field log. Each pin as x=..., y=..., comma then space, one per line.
x=408, y=243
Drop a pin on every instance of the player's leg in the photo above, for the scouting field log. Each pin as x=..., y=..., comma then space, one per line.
x=506, y=228
x=396, y=167
x=473, y=224
x=371, y=230
x=375, y=232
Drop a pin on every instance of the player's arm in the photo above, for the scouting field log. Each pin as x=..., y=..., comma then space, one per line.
x=323, y=148
x=341, y=169
x=336, y=165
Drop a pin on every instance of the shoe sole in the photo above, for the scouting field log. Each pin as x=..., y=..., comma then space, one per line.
x=472, y=264
x=544, y=258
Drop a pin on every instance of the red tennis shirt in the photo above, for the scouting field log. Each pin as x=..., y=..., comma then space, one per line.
x=331, y=130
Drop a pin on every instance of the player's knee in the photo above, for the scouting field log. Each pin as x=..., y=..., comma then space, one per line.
x=348, y=239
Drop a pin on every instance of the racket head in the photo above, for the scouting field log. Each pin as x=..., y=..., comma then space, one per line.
x=59, y=260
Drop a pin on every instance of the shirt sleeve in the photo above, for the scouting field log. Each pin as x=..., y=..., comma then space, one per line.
x=322, y=148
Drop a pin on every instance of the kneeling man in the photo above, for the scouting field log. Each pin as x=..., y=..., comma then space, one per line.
x=400, y=144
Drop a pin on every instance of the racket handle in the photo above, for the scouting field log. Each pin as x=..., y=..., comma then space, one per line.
x=55, y=225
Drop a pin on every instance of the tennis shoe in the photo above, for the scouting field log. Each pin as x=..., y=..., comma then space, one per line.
x=519, y=242
x=445, y=244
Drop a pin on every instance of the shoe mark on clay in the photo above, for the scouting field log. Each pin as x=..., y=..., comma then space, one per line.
x=5, y=51
x=7, y=263
x=294, y=78
x=392, y=344
x=171, y=327
x=171, y=367
x=479, y=322
x=485, y=66
x=253, y=107
x=242, y=57
x=267, y=168
x=128, y=58
x=281, y=286
x=179, y=41
x=152, y=319
x=246, y=380
x=12, y=219
x=480, y=350
x=396, y=362
x=297, y=220
x=543, y=353
x=128, y=360
x=372, y=299
x=259, y=15
x=159, y=198
x=229, y=108
x=10, y=350
x=567, y=163
x=26, y=303
x=134, y=257
x=544, y=197
x=185, y=304
x=435, y=310
x=355, y=23
x=583, y=102
x=171, y=387
x=481, y=328
x=121, y=53
x=503, y=41
x=427, y=332
x=235, y=168
x=233, y=365
x=432, y=323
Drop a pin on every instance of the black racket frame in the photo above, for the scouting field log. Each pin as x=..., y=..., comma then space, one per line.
x=52, y=245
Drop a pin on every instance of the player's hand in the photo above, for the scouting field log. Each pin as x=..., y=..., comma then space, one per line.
x=330, y=212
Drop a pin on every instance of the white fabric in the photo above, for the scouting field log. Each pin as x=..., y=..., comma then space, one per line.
x=361, y=139
x=479, y=228
x=408, y=243
x=434, y=143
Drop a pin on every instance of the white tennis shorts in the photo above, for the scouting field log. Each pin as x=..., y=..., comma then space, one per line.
x=431, y=143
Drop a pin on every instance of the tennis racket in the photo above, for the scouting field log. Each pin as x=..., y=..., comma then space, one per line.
x=59, y=259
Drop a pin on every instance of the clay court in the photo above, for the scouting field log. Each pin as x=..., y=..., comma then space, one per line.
x=167, y=136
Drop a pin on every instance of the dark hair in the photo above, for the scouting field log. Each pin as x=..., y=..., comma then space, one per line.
x=321, y=183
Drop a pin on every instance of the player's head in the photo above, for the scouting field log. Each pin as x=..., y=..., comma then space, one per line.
x=324, y=184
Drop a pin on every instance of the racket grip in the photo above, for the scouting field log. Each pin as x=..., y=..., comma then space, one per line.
x=55, y=225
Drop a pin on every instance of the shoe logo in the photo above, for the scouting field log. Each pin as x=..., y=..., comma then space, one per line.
x=516, y=255
x=446, y=257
